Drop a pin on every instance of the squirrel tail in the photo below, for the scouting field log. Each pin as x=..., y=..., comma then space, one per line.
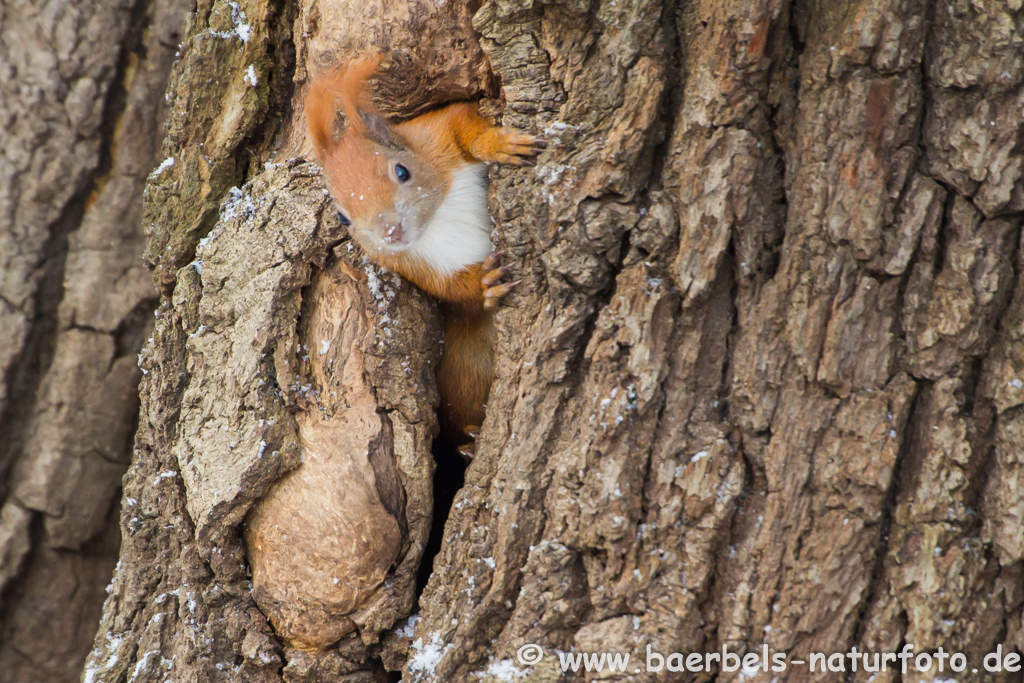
x=346, y=83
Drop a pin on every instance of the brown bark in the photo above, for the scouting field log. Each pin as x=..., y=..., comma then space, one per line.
x=759, y=386
x=81, y=106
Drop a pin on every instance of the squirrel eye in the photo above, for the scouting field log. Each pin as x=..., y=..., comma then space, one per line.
x=343, y=219
x=402, y=173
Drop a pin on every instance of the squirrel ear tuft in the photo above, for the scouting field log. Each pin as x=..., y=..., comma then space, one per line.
x=347, y=85
x=322, y=109
x=380, y=131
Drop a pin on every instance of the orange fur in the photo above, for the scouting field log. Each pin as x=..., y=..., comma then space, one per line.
x=321, y=109
x=344, y=85
x=463, y=287
x=432, y=146
x=352, y=90
x=466, y=370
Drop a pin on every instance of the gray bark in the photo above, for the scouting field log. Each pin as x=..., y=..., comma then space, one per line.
x=81, y=107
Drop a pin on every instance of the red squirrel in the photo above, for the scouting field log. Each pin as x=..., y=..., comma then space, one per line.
x=414, y=197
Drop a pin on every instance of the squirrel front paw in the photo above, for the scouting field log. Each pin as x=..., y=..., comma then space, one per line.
x=509, y=146
x=493, y=288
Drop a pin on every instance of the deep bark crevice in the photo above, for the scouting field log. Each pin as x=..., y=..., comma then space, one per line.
x=449, y=477
x=15, y=586
x=888, y=509
x=280, y=55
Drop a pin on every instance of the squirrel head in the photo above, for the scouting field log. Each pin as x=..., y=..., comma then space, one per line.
x=384, y=187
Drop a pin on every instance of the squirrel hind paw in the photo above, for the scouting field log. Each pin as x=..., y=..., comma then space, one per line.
x=468, y=450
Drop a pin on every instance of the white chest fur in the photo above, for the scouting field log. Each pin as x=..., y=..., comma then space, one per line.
x=459, y=234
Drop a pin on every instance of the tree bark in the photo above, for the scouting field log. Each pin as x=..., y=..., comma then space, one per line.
x=759, y=388
x=81, y=107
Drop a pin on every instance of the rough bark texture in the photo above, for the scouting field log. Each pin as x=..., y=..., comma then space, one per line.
x=760, y=387
x=81, y=109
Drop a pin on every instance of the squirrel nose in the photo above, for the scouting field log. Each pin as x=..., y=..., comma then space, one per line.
x=394, y=233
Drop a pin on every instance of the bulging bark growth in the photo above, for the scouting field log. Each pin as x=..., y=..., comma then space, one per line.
x=323, y=540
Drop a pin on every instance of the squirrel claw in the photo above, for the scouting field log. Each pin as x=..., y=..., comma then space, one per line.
x=492, y=276
x=492, y=261
x=468, y=450
x=492, y=295
x=518, y=148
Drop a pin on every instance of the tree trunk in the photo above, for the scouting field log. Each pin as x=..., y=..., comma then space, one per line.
x=81, y=107
x=759, y=388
